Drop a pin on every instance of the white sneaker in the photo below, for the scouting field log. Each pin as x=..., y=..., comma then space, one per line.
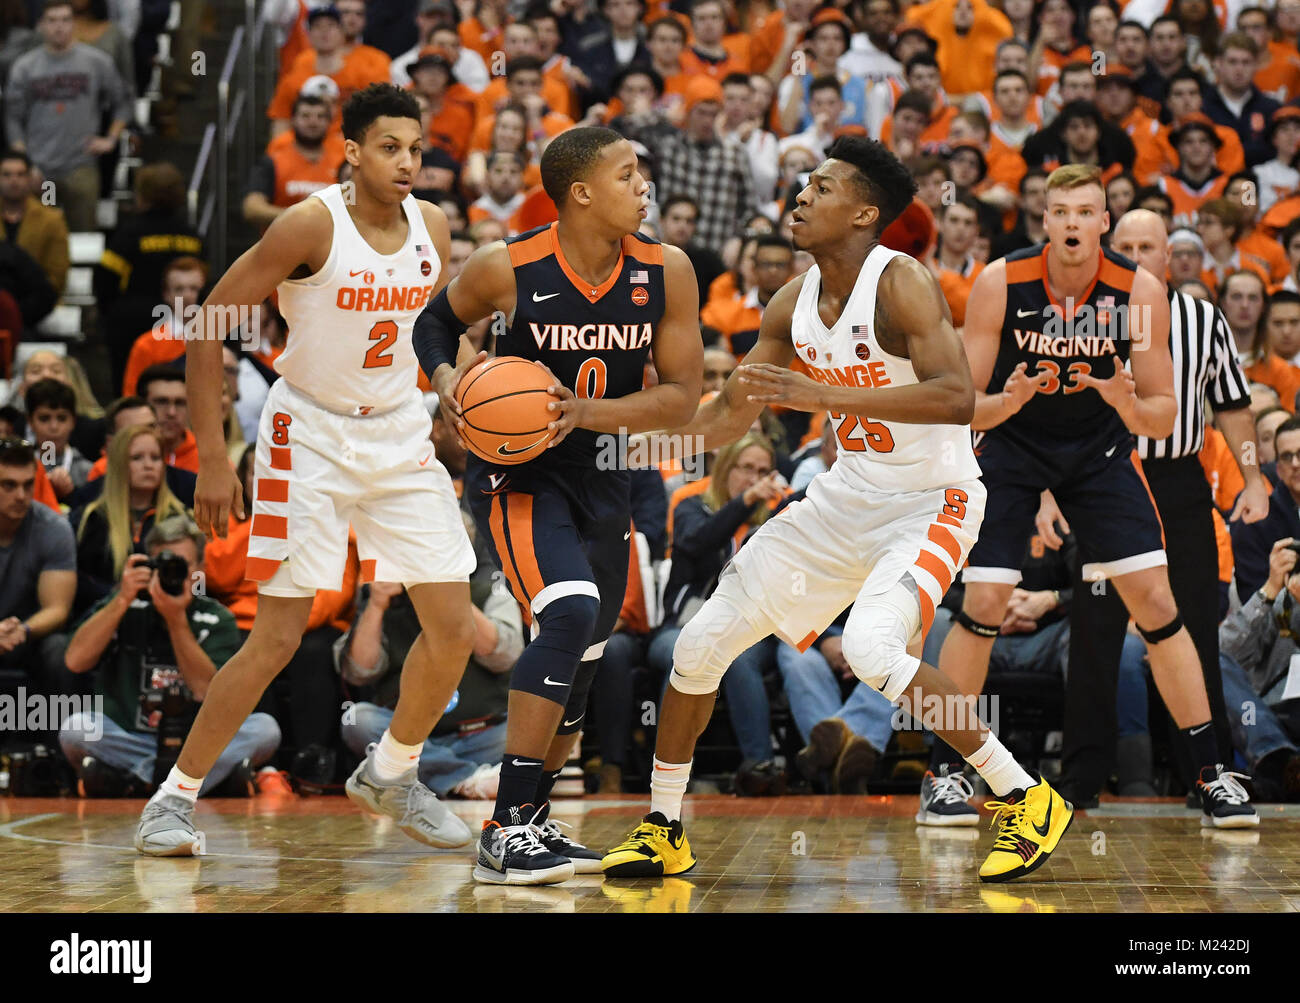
x=481, y=785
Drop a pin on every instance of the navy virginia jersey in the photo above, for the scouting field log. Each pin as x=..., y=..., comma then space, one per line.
x=1042, y=333
x=594, y=339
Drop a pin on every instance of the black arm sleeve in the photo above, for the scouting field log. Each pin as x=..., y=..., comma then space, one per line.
x=262, y=178
x=436, y=335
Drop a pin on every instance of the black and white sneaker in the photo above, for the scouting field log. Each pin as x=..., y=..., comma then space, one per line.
x=1225, y=804
x=516, y=855
x=585, y=861
x=945, y=799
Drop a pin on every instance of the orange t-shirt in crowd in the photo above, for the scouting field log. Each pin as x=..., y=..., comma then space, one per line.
x=296, y=176
x=296, y=42
x=1187, y=200
x=1213, y=276
x=484, y=41
x=1054, y=60
x=495, y=96
x=553, y=124
x=1230, y=158
x=1006, y=165
x=186, y=455
x=766, y=41
x=737, y=59
x=360, y=69
x=956, y=286
x=738, y=319
x=1281, y=73
x=1279, y=374
x=965, y=61
x=1221, y=469
x=43, y=490
x=451, y=126
x=633, y=612
x=151, y=348
x=1145, y=133
x=1268, y=252
x=1223, y=542
x=936, y=132
x=224, y=566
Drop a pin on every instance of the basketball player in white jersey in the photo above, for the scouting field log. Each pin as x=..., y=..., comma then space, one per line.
x=885, y=529
x=344, y=438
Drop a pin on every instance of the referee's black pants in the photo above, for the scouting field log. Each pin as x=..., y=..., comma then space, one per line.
x=1098, y=623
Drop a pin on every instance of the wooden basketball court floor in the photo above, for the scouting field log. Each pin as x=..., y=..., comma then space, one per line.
x=782, y=855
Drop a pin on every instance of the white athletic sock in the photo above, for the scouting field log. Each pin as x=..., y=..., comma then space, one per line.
x=179, y=785
x=392, y=758
x=667, y=788
x=994, y=762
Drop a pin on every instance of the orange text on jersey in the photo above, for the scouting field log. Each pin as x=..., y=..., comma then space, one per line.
x=383, y=298
x=871, y=375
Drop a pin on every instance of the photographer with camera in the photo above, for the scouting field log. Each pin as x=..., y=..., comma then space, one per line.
x=1259, y=649
x=156, y=645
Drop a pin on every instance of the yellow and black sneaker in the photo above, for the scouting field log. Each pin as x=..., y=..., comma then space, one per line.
x=1030, y=824
x=655, y=848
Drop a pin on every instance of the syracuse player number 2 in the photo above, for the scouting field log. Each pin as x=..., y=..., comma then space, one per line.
x=383, y=334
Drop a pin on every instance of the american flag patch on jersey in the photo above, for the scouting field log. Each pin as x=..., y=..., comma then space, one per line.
x=861, y=331
x=421, y=250
x=640, y=275
x=1106, y=303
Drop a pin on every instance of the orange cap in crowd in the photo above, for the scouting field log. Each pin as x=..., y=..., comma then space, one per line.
x=702, y=89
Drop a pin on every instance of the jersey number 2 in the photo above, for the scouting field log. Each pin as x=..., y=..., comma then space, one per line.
x=874, y=434
x=383, y=334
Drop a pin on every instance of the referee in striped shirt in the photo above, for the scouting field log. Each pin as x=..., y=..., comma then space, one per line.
x=1206, y=368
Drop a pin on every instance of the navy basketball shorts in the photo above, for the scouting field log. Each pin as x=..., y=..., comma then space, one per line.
x=1101, y=491
x=555, y=532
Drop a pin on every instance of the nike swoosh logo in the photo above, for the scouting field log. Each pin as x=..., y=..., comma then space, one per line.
x=575, y=720
x=505, y=450
x=801, y=347
x=184, y=788
x=496, y=479
x=425, y=460
x=1042, y=830
x=543, y=299
x=516, y=762
x=627, y=535
x=1111, y=452
x=1025, y=313
x=1197, y=731
x=551, y=682
x=359, y=271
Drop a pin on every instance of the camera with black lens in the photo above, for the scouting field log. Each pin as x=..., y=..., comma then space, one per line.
x=173, y=571
x=167, y=706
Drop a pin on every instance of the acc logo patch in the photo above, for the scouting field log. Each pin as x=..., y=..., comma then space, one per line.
x=862, y=350
x=425, y=268
x=640, y=296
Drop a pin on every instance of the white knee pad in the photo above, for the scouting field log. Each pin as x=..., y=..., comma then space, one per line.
x=877, y=637
x=708, y=644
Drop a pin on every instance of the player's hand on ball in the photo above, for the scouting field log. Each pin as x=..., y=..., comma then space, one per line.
x=217, y=493
x=567, y=410
x=1119, y=390
x=1020, y=387
x=447, y=382
x=768, y=384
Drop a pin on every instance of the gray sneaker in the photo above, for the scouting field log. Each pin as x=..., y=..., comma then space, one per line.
x=415, y=808
x=166, y=828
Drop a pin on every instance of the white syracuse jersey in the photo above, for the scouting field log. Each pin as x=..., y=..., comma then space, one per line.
x=349, y=347
x=895, y=456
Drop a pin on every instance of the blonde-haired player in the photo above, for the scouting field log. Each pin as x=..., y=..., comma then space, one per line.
x=344, y=438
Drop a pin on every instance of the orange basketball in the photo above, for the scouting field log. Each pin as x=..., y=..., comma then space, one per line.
x=503, y=404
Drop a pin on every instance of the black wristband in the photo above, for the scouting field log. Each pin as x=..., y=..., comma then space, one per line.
x=436, y=335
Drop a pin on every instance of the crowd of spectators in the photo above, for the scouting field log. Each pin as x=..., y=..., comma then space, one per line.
x=1189, y=109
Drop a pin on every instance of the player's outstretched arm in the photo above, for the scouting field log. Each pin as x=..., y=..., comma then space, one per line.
x=727, y=417
x=486, y=283
x=1144, y=397
x=299, y=237
x=909, y=306
x=678, y=358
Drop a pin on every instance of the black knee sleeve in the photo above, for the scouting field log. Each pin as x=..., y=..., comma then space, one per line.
x=982, y=629
x=1161, y=633
x=576, y=708
x=549, y=665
